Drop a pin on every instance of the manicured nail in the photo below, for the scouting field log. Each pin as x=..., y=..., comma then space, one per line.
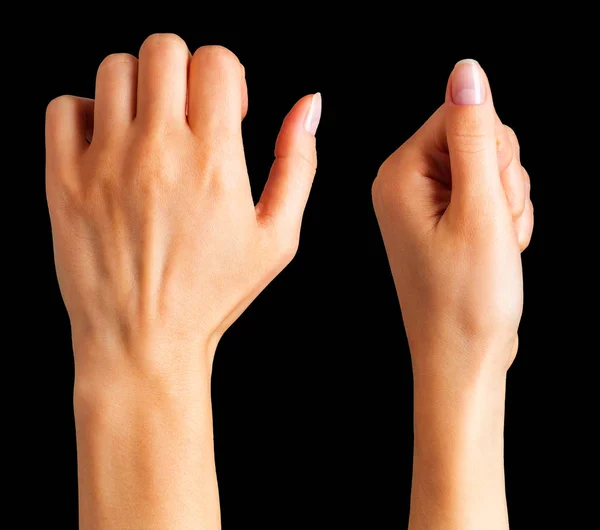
x=467, y=83
x=313, y=116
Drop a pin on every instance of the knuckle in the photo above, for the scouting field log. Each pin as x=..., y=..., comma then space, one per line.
x=58, y=106
x=388, y=198
x=300, y=160
x=470, y=136
x=470, y=143
x=64, y=192
x=470, y=133
x=376, y=191
x=164, y=42
x=505, y=151
x=527, y=181
x=385, y=171
x=117, y=60
x=511, y=134
x=387, y=168
x=401, y=159
x=375, y=188
x=386, y=187
x=157, y=138
x=514, y=140
x=218, y=56
x=517, y=204
x=524, y=238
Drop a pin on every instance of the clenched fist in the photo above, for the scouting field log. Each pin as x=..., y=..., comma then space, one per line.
x=156, y=236
x=159, y=248
x=454, y=210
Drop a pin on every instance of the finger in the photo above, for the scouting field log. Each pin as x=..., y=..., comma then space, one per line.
x=431, y=139
x=216, y=99
x=67, y=121
x=244, y=93
x=116, y=94
x=527, y=181
x=471, y=136
x=524, y=224
x=513, y=179
x=513, y=354
x=286, y=192
x=504, y=146
x=162, y=79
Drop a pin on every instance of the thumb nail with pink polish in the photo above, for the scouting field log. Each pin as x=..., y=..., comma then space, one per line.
x=467, y=86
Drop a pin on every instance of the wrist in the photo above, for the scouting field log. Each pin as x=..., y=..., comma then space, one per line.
x=451, y=417
x=449, y=358
x=113, y=399
x=458, y=461
x=139, y=404
x=458, y=405
x=144, y=437
x=149, y=365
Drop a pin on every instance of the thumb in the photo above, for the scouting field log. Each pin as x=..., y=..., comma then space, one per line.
x=283, y=200
x=471, y=137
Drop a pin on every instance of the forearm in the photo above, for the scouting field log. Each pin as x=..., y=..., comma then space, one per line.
x=458, y=467
x=145, y=450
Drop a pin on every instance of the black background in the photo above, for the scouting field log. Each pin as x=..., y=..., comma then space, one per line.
x=312, y=387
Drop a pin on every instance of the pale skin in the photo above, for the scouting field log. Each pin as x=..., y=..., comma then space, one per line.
x=159, y=247
x=454, y=209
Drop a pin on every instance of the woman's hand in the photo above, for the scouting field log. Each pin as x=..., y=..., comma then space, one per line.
x=159, y=248
x=156, y=236
x=454, y=210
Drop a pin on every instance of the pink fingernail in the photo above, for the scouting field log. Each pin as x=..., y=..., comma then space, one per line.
x=467, y=83
x=313, y=116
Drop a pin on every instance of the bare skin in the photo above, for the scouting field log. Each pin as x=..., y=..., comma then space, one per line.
x=454, y=210
x=159, y=248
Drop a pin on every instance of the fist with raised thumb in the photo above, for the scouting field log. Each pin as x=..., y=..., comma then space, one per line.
x=454, y=210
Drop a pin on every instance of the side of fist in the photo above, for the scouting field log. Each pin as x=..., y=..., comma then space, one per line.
x=454, y=211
